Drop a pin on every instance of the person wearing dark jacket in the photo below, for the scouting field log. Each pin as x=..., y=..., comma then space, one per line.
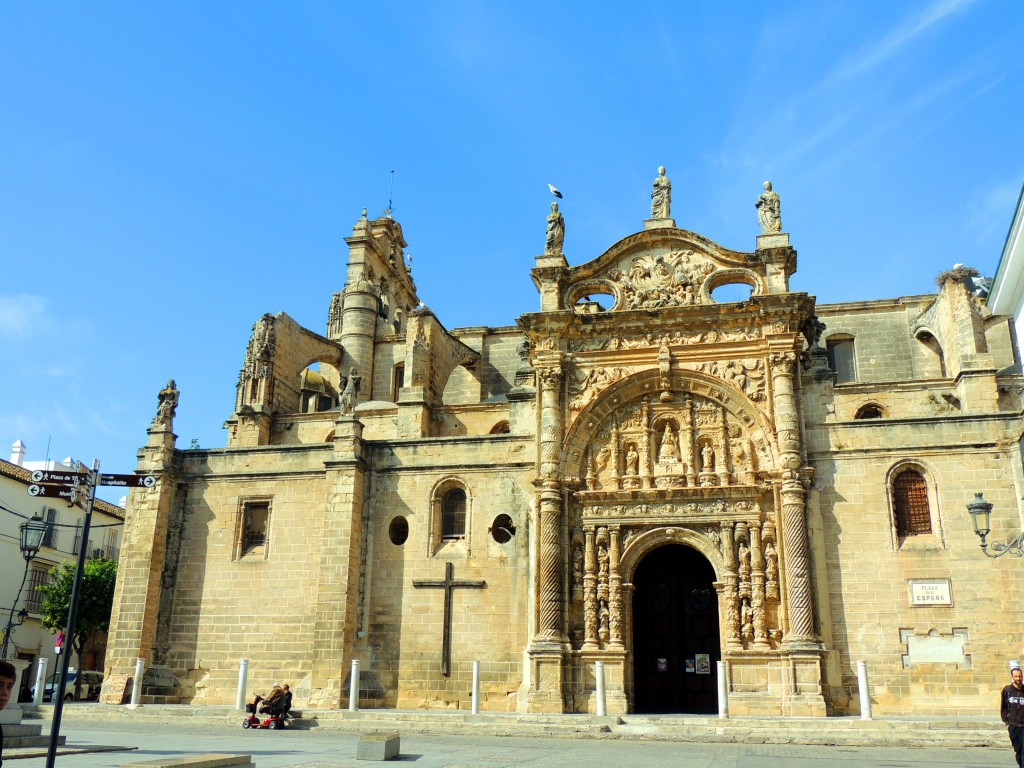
x=1011, y=710
x=8, y=678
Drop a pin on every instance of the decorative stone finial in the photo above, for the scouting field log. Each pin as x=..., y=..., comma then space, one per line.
x=555, y=232
x=769, y=211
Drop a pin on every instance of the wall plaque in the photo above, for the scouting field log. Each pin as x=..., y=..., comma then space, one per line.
x=930, y=592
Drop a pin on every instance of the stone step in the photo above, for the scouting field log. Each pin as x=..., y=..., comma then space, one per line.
x=17, y=742
x=22, y=729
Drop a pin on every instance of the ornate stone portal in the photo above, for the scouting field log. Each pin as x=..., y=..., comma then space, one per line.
x=672, y=419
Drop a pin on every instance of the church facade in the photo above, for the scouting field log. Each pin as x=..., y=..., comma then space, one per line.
x=635, y=474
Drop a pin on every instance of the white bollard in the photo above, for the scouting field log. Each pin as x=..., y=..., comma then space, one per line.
x=37, y=699
x=353, y=688
x=863, y=691
x=723, y=692
x=602, y=705
x=137, y=682
x=476, y=688
x=243, y=673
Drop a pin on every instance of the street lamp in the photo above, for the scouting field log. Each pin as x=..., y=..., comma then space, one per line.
x=31, y=539
x=981, y=515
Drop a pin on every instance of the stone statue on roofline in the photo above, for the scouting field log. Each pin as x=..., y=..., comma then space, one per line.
x=348, y=395
x=661, y=196
x=555, y=232
x=769, y=211
x=167, y=403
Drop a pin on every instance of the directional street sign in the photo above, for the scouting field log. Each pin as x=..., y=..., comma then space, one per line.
x=61, y=491
x=39, y=476
x=131, y=481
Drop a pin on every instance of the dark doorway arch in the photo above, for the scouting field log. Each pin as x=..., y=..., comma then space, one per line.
x=676, y=638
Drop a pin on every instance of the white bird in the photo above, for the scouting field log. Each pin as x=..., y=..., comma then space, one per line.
x=554, y=191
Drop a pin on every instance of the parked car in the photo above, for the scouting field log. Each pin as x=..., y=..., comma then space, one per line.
x=90, y=691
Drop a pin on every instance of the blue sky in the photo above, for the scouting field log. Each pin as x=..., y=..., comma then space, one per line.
x=170, y=171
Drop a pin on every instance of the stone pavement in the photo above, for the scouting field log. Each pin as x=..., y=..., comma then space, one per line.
x=331, y=749
x=452, y=739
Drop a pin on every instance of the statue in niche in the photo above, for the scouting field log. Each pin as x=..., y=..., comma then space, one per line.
x=604, y=619
x=167, y=404
x=661, y=196
x=668, y=453
x=348, y=396
x=632, y=461
x=744, y=558
x=555, y=232
x=707, y=457
x=602, y=559
x=602, y=458
x=577, y=569
x=769, y=212
x=746, y=621
x=771, y=571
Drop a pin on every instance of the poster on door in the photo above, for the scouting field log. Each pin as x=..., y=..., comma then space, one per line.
x=703, y=663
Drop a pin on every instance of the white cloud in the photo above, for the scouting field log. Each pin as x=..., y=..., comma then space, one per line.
x=891, y=44
x=22, y=314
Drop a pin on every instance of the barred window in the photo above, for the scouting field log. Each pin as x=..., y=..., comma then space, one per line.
x=37, y=577
x=453, y=514
x=255, y=525
x=910, y=501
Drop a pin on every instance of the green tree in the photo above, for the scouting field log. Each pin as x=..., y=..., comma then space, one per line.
x=95, y=601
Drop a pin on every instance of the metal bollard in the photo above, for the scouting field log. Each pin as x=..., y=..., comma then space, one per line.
x=723, y=692
x=602, y=705
x=476, y=688
x=37, y=698
x=863, y=691
x=243, y=673
x=353, y=688
x=140, y=665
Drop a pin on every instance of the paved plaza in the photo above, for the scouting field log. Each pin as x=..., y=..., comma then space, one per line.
x=291, y=748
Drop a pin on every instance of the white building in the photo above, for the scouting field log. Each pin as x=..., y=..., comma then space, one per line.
x=1007, y=294
x=62, y=542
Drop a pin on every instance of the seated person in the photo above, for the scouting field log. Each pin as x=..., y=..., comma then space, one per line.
x=270, y=701
x=286, y=700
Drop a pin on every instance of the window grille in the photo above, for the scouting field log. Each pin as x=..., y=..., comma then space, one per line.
x=255, y=525
x=453, y=514
x=37, y=577
x=910, y=500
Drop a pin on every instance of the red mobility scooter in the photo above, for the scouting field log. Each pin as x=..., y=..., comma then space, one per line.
x=276, y=711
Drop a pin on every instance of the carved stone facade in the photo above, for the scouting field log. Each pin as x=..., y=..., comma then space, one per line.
x=658, y=484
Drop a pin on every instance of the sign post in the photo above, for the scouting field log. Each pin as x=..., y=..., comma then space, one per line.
x=79, y=488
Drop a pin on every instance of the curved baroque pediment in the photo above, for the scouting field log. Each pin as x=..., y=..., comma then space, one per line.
x=663, y=268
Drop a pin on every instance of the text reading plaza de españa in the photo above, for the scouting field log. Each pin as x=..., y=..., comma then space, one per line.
x=634, y=474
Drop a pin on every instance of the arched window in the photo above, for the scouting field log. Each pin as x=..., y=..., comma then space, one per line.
x=870, y=411
x=453, y=514
x=932, y=345
x=910, y=504
x=842, y=358
x=501, y=428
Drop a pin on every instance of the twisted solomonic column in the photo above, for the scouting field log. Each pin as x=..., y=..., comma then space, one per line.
x=794, y=520
x=551, y=598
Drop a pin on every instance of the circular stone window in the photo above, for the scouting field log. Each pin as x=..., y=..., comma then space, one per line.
x=502, y=529
x=398, y=531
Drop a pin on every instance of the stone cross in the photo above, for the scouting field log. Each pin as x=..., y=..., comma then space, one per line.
x=448, y=585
